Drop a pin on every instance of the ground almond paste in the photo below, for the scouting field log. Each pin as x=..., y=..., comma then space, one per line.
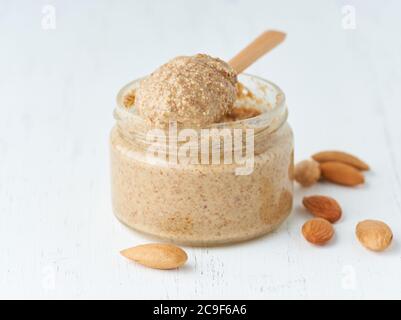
x=205, y=204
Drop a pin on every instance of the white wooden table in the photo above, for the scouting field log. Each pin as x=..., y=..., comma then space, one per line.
x=58, y=81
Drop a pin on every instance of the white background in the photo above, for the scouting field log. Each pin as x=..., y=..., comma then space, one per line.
x=58, y=237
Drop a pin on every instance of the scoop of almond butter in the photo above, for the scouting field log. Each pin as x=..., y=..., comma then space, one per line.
x=191, y=90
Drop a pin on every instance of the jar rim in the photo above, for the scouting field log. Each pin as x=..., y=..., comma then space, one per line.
x=274, y=110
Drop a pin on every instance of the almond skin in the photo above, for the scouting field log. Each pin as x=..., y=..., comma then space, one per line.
x=157, y=255
x=374, y=235
x=340, y=156
x=307, y=172
x=341, y=173
x=318, y=231
x=323, y=207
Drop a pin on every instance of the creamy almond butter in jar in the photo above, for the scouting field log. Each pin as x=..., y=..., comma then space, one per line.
x=208, y=184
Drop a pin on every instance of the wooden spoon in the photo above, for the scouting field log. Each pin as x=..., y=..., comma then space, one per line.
x=257, y=48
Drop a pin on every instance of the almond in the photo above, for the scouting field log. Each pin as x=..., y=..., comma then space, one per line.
x=307, y=172
x=318, y=231
x=341, y=173
x=340, y=156
x=323, y=207
x=157, y=255
x=374, y=235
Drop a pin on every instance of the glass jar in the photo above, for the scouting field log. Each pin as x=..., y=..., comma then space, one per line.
x=210, y=202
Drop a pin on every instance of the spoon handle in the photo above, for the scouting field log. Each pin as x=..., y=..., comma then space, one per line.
x=257, y=48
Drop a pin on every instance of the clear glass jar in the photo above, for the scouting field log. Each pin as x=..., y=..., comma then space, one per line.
x=208, y=203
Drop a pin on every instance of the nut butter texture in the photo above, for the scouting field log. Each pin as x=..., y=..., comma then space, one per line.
x=191, y=90
x=206, y=204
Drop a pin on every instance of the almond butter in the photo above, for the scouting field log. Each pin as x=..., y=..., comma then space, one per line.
x=341, y=173
x=157, y=255
x=129, y=99
x=307, y=172
x=318, y=231
x=323, y=207
x=340, y=156
x=374, y=235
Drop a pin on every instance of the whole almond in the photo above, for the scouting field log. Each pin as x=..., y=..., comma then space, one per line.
x=374, y=235
x=341, y=173
x=307, y=172
x=340, y=156
x=318, y=231
x=323, y=207
x=157, y=255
